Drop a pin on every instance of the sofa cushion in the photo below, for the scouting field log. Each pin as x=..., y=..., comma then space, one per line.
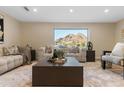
x=9, y=62
x=13, y=50
x=2, y=61
x=3, y=68
x=5, y=51
x=74, y=50
x=18, y=60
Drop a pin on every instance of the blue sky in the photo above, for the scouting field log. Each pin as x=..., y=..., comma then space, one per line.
x=60, y=33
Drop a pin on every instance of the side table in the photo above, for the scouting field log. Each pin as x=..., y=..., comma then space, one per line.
x=90, y=56
x=33, y=55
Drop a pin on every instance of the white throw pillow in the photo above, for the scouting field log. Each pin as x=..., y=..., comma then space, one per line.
x=42, y=50
x=48, y=49
x=118, y=50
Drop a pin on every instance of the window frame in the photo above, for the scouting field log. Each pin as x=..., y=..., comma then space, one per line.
x=73, y=28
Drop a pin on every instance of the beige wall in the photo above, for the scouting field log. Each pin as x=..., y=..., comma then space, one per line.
x=11, y=31
x=37, y=34
x=119, y=28
x=40, y=34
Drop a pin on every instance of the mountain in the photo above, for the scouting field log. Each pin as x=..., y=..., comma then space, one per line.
x=72, y=39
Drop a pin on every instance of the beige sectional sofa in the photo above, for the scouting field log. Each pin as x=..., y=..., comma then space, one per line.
x=78, y=53
x=9, y=62
x=12, y=57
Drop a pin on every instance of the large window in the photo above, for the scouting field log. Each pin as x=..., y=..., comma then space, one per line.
x=71, y=37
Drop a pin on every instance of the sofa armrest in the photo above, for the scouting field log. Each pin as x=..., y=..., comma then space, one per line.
x=106, y=52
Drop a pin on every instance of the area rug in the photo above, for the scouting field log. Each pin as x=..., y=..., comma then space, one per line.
x=19, y=77
x=94, y=76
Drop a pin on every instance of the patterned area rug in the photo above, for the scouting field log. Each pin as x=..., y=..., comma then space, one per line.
x=19, y=77
x=94, y=76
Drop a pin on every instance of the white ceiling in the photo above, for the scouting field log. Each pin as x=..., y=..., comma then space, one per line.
x=61, y=13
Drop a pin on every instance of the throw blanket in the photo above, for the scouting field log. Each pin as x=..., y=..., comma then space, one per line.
x=26, y=53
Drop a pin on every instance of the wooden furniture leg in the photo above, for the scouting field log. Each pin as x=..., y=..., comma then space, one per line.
x=104, y=65
x=123, y=68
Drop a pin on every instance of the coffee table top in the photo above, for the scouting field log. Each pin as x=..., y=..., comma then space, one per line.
x=71, y=61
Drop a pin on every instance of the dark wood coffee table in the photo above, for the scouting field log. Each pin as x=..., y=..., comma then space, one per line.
x=68, y=74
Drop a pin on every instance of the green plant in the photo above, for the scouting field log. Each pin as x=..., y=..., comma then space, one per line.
x=58, y=54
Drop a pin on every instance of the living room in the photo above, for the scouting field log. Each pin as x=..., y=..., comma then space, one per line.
x=36, y=26
x=42, y=30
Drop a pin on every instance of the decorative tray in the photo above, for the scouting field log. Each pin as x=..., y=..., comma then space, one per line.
x=57, y=60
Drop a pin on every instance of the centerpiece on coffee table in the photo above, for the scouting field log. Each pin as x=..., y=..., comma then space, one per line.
x=58, y=57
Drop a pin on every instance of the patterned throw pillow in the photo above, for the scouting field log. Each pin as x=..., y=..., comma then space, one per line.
x=5, y=51
x=1, y=51
x=48, y=49
x=42, y=50
x=74, y=49
x=13, y=50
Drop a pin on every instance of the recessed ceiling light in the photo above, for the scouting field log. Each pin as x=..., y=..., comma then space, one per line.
x=71, y=10
x=35, y=10
x=106, y=10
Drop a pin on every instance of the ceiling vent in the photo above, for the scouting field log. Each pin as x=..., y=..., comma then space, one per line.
x=26, y=8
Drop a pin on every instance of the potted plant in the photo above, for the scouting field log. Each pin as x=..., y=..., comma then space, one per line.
x=58, y=54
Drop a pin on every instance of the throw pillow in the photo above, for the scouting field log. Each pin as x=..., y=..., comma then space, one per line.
x=48, y=49
x=1, y=51
x=42, y=50
x=5, y=51
x=21, y=49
